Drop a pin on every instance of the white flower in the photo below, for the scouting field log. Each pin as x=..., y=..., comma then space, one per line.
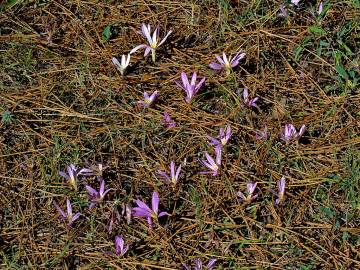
x=125, y=60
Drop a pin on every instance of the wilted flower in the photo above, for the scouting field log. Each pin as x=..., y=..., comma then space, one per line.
x=68, y=216
x=262, y=134
x=250, y=188
x=225, y=63
x=281, y=191
x=295, y=2
x=190, y=88
x=168, y=121
x=213, y=165
x=143, y=210
x=97, y=196
x=125, y=60
x=152, y=40
x=73, y=173
x=120, y=249
x=174, y=174
x=282, y=12
x=249, y=102
x=198, y=265
x=148, y=100
x=223, y=138
x=290, y=133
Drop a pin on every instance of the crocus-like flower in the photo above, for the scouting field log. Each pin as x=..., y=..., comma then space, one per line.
x=223, y=138
x=148, y=100
x=168, y=121
x=199, y=266
x=174, y=174
x=262, y=134
x=281, y=191
x=143, y=210
x=190, y=88
x=125, y=60
x=211, y=164
x=73, y=173
x=282, y=12
x=250, y=188
x=152, y=40
x=225, y=63
x=97, y=196
x=295, y=2
x=68, y=216
x=120, y=249
x=290, y=133
x=249, y=102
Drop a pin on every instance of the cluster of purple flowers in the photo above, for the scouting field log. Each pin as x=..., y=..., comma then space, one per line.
x=283, y=13
x=191, y=86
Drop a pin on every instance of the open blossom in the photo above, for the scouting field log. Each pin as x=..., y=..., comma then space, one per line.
x=120, y=248
x=148, y=100
x=97, y=196
x=289, y=133
x=73, y=173
x=227, y=63
x=250, y=188
x=143, y=210
x=223, y=138
x=262, y=134
x=190, y=88
x=168, y=121
x=152, y=40
x=249, y=102
x=281, y=191
x=121, y=67
x=174, y=174
x=211, y=164
x=199, y=266
x=68, y=216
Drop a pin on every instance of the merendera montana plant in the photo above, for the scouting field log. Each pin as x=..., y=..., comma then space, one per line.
x=68, y=216
x=148, y=100
x=152, y=40
x=174, y=174
x=121, y=67
x=211, y=164
x=151, y=214
x=225, y=63
x=289, y=133
x=97, y=196
x=73, y=173
x=190, y=88
x=250, y=196
x=199, y=266
x=223, y=138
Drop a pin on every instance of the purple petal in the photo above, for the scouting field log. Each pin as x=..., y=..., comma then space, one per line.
x=138, y=47
x=63, y=174
x=211, y=264
x=75, y=217
x=186, y=267
x=92, y=192
x=163, y=40
x=185, y=80
x=155, y=202
x=143, y=205
x=216, y=66
x=141, y=212
x=69, y=208
x=163, y=214
x=220, y=59
x=147, y=51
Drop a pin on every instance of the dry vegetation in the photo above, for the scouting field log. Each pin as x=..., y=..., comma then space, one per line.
x=62, y=101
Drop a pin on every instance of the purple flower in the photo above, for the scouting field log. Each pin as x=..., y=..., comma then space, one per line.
x=223, y=138
x=250, y=188
x=190, y=88
x=249, y=102
x=198, y=265
x=281, y=191
x=168, y=121
x=148, y=100
x=290, y=133
x=68, y=216
x=211, y=164
x=225, y=63
x=282, y=12
x=120, y=249
x=145, y=211
x=262, y=134
x=152, y=40
x=97, y=196
x=295, y=2
x=174, y=174
x=72, y=174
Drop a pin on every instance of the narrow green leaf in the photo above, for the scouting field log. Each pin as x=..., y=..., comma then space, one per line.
x=342, y=72
x=316, y=30
x=106, y=33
